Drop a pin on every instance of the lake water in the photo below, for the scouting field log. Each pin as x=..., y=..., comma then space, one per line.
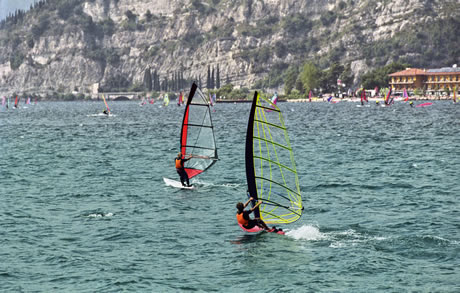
x=83, y=206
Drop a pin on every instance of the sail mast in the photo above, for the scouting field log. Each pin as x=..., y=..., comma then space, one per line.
x=249, y=153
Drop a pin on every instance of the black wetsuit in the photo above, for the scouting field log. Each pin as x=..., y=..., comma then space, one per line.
x=251, y=222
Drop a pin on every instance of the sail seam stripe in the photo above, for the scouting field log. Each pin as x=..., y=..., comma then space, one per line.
x=288, y=188
x=271, y=109
x=272, y=142
x=276, y=163
x=268, y=123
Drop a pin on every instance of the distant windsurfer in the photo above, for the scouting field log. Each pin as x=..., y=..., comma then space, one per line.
x=181, y=169
x=411, y=104
x=105, y=112
x=244, y=220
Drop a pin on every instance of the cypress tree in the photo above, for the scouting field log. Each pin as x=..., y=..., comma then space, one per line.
x=147, y=79
x=208, y=81
x=212, y=79
x=218, y=77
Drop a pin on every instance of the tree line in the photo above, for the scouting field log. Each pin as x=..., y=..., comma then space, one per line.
x=175, y=81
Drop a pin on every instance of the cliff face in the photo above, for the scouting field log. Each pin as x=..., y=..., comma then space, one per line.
x=55, y=48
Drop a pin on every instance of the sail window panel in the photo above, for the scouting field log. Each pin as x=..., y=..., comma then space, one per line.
x=199, y=115
x=200, y=141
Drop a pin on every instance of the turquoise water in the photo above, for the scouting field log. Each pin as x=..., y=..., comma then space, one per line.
x=84, y=207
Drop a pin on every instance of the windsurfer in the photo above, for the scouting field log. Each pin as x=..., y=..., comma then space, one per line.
x=105, y=112
x=181, y=169
x=411, y=104
x=243, y=217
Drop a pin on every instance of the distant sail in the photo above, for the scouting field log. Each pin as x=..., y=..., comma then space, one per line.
x=387, y=99
x=270, y=168
x=455, y=94
x=363, y=96
x=16, y=102
x=166, y=100
x=197, y=134
x=105, y=102
x=405, y=95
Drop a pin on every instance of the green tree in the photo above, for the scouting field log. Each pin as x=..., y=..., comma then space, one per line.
x=289, y=81
x=310, y=76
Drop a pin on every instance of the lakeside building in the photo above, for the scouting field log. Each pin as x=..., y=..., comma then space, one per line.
x=433, y=81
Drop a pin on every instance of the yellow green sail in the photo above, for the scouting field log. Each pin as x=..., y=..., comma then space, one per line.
x=270, y=167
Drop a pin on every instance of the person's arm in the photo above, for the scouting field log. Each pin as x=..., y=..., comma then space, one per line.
x=249, y=200
x=256, y=206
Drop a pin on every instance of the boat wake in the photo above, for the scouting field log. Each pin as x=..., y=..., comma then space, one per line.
x=210, y=184
x=336, y=239
x=306, y=232
x=99, y=215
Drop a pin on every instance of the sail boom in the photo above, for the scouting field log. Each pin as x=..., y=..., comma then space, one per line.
x=198, y=125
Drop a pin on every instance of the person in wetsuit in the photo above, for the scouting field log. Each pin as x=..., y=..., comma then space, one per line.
x=181, y=169
x=243, y=218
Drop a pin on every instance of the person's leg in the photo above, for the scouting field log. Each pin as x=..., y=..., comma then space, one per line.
x=262, y=224
x=181, y=178
x=186, y=178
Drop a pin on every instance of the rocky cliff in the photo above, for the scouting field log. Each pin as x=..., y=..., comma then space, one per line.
x=68, y=45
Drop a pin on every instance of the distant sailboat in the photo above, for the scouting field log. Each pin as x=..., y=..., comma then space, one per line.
x=405, y=95
x=107, y=111
x=16, y=103
x=388, y=102
x=455, y=95
x=3, y=101
x=363, y=97
x=166, y=100
x=180, y=99
x=309, y=96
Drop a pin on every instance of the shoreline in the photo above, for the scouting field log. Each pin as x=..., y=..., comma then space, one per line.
x=320, y=100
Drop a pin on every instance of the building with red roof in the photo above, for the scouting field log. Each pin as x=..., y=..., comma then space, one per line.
x=430, y=80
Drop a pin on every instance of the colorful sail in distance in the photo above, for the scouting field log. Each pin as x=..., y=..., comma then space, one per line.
x=405, y=95
x=363, y=96
x=16, y=102
x=180, y=99
x=166, y=100
x=197, y=135
x=387, y=99
x=455, y=94
x=270, y=168
x=105, y=102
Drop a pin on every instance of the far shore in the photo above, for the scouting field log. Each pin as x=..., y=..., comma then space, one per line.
x=315, y=99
